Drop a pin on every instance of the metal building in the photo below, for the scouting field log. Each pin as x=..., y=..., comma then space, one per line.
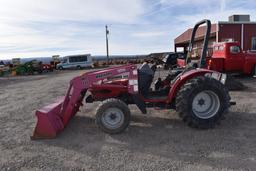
x=238, y=28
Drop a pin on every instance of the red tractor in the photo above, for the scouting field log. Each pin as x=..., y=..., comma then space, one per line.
x=197, y=94
x=47, y=68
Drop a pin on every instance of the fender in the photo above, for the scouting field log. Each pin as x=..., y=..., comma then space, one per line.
x=183, y=78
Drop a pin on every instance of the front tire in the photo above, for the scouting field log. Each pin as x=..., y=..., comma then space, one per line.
x=202, y=102
x=113, y=116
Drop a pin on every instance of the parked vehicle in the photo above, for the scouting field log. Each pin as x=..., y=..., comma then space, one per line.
x=170, y=60
x=227, y=57
x=76, y=61
x=47, y=68
x=230, y=58
x=55, y=61
x=29, y=68
x=4, y=69
x=16, y=61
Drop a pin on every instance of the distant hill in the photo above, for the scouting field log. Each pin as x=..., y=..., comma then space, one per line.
x=99, y=58
x=47, y=60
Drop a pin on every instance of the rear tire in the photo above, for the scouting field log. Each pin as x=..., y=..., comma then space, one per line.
x=113, y=116
x=202, y=102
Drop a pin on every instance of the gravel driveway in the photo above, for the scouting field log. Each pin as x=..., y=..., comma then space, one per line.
x=156, y=141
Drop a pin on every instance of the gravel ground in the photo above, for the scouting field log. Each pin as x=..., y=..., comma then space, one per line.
x=156, y=141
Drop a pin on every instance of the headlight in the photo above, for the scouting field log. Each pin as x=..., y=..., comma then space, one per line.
x=223, y=78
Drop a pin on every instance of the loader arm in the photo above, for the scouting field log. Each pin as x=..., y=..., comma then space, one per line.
x=53, y=118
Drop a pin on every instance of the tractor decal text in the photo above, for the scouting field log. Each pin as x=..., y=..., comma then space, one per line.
x=103, y=75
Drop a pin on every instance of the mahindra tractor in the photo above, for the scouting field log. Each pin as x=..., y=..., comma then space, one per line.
x=197, y=94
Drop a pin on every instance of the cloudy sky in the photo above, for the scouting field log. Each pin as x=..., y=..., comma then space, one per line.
x=36, y=28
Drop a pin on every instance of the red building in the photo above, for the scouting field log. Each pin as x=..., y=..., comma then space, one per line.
x=238, y=28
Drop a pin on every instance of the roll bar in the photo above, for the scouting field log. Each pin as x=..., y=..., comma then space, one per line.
x=202, y=63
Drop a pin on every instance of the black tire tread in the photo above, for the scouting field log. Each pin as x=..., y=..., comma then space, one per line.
x=113, y=102
x=183, y=101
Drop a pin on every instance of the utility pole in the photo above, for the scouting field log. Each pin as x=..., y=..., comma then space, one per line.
x=107, y=33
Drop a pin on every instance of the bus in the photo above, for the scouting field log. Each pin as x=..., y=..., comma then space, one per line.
x=75, y=61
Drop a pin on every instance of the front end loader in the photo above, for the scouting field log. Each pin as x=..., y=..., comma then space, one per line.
x=53, y=118
x=197, y=94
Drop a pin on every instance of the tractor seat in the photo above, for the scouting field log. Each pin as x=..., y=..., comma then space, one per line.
x=144, y=82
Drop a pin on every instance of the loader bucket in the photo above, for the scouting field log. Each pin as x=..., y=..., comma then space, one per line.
x=49, y=121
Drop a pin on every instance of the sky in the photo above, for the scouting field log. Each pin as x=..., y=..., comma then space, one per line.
x=40, y=28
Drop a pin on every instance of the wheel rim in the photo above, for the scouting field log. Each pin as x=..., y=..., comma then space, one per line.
x=206, y=104
x=113, y=118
